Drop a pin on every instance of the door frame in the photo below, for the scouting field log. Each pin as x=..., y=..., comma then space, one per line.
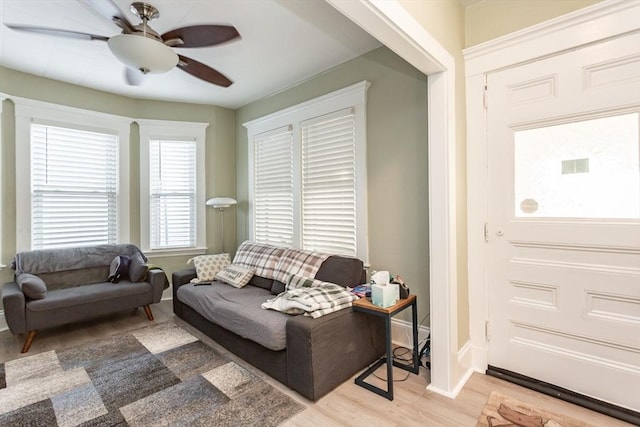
x=393, y=26
x=609, y=18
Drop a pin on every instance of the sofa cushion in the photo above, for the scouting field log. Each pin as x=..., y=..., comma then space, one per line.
x=238, y=311
x=278, y=287
x=235, y=275
x=88, y=294
x=31, y=286
x=342, y=270
x=207, y=266
x=300, y=262
x=263, y=258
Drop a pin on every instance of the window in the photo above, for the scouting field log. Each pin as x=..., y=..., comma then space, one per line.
x=329, y=183
x=172, y=194
x=307, y=184
x=273, y=188
x=172, y=186
x=1, y=183
x=72, y=185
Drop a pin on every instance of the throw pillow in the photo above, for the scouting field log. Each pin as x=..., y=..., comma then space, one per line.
x=119, y=268
x=137, y=268
x=235, y=275
x=31, y=285
x=207, y=266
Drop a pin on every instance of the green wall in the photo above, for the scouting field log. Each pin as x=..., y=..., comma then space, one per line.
x=490, y=19
x=396, y=159
x=219, y=163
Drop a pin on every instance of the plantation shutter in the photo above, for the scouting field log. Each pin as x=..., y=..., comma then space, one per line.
x=329, y=183
x=74, y=182
x=273, y=187
x=173, y=194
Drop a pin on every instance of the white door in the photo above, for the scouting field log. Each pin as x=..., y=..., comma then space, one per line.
x=564, y=220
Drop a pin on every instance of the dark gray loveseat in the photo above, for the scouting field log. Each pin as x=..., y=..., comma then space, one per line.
x=315, y=355
x=76, y=288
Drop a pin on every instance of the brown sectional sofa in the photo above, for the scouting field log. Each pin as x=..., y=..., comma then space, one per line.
x=311, y=356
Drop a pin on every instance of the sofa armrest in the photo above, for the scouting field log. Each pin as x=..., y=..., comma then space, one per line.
x=179, y=278
x=14, y=308
x=159, y=282
x=322, y=353
x=182, y=277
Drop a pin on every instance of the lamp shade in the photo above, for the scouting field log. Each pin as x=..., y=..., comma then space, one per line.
x=221, y=202
x=143, y=53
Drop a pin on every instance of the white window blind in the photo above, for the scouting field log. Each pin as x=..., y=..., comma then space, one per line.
x=173, y=187
x=74, y=182
x=273, y=188
x=329, y=183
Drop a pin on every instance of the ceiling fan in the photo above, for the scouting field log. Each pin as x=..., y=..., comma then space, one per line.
x=145, y=51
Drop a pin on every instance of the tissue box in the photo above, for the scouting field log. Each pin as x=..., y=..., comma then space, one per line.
x=384, y=296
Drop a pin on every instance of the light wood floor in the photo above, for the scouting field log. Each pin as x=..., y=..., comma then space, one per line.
x=347, y=405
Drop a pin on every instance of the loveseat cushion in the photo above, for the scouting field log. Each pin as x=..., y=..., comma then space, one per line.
x=31, y=285
x=68, y=267
x=88, y=294
x=238, y=311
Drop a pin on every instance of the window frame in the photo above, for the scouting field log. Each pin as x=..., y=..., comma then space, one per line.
x=2, y=98
x=29, y=111
x=172, y=130
x=355, y=97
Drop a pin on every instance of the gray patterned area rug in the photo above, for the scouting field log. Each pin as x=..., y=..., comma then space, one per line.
x=157, y=375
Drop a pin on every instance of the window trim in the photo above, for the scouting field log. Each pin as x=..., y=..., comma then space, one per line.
x=166, y=129
x=28, y=111
x=354, y=96
x=2, y=98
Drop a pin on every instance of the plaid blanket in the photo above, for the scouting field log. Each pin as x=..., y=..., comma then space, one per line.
x=312, y=301
x=298, y=262
x=263, y=258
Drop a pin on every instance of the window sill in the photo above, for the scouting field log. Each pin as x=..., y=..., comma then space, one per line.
x=158, y=253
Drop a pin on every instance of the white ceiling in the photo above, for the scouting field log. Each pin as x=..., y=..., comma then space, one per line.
x=283, y=42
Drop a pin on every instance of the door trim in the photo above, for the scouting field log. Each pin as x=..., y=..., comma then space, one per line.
x=393, y=26
x=603, y=20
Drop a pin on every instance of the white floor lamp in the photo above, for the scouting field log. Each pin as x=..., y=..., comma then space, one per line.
x=221, y=203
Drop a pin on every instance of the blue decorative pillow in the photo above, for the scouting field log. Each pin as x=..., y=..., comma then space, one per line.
x=119, y=268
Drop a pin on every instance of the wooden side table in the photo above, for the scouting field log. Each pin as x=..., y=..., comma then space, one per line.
x=365, y=305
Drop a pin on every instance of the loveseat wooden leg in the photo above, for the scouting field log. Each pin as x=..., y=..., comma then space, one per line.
x=27, y=341
x=148, y=312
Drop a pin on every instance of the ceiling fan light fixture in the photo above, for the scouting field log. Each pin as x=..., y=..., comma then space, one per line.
x=143, y=53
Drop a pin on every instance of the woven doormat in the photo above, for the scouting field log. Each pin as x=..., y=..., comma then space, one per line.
x=505, y=411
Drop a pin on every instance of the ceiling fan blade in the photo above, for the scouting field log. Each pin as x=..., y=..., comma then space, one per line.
x=133, y=77
x=203, y=72
x=109, y=10
x=55, y=32
x=200, y=35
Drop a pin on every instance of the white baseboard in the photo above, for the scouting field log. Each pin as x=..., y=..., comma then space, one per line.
x=402, y=333
x=465, y=370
